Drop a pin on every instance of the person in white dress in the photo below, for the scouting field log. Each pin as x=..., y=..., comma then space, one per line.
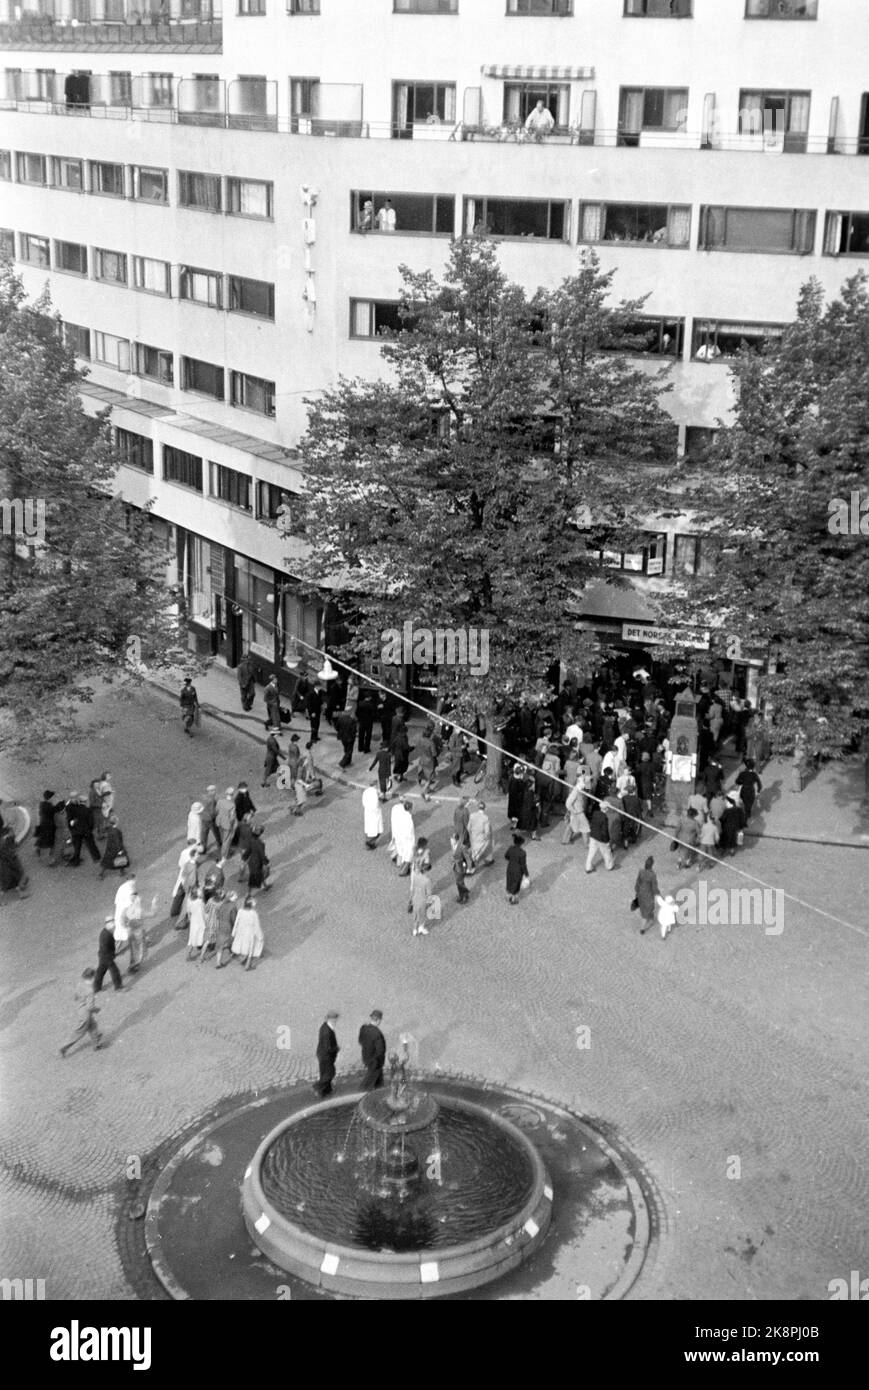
x=247, y=936
x=196, y=923
x=372, y=815
x=403, y=836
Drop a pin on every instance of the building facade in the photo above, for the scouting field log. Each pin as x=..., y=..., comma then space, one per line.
x=220, y=202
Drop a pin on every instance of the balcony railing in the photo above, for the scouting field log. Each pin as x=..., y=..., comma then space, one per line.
x=115, y=36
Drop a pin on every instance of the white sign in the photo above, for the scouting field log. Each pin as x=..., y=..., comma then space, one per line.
x=665, y=636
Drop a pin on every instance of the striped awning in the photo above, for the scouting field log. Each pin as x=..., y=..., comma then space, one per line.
x=537, y=74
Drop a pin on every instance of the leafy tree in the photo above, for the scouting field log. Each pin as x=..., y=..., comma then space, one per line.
x=792, y=573
x=449, y=494
x=80, y=573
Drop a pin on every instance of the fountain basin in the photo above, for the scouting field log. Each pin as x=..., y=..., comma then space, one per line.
x=338, y=1259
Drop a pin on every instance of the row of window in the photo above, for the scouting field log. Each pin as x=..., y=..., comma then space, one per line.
x=213, y=192
x=273, y=504
x=560, y=9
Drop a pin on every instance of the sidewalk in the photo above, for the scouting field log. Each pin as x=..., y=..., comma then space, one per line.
x=829, y=811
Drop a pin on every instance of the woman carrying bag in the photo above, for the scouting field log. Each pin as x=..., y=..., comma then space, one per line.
x=115, y=854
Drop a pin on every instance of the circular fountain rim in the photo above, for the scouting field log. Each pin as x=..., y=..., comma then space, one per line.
x=461, y=1262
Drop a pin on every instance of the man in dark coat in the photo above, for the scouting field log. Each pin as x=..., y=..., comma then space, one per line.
x=366, y=710
x=272, y=697
x=273, y=755
x=399, y=746
x=327, y=1054
x=314, y=706
x=106, y=957
x=243, y=803
x=246, y=682
x=78, y=818
x=373, y=1045
x=383, y=762
x=345, y=728
x=189, y=702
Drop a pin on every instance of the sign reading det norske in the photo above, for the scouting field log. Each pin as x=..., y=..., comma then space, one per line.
x=665, y=636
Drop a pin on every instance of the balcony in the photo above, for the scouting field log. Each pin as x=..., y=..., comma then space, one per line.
x=142, y=31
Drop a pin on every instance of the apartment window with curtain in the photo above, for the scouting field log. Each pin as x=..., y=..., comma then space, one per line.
x=716, y=338
x=135, y=450
x=252, y=393
x=777, y=231
x=540, y=8
x=846, y=234
x=106, y=179
x=425, y=6
x=7, y=243
x=182, y=468
x=158, y=89
x=304, y=100
x=249, y=198
x=78, y=339
x=421, y=103
x=201, y=286
x=303, y=6
x=371, y=317
x=651, y=108
x=275, y=505
x=658, y=9
x=35, y=250
x=150, y=185
x=520, y=99
x=206, y=378
x=780, y=117
x=200, y=191
x=251, y=7
x=110, y=266
x=781, y=9
x=251, y=297
x=30, y=168
x=156, y=364
x=6, y=165
x=637, y=224
x=71, y=257
x=698, y=441
x=230, y=486
x=111, y=351
x=67, y=173
x=424, y=214
x=120, y=89
x=518, y=217
x=151, y=276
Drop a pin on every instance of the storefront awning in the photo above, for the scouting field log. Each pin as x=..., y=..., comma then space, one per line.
x=537, y=74
x=616, y=601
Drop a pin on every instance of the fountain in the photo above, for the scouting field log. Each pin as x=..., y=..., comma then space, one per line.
x=399, y=1193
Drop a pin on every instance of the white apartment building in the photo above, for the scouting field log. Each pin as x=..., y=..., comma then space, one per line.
x=193, y=186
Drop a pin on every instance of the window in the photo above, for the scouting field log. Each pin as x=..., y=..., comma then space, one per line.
x=650, y=108
x=698, y=441
x=111, y=266
x=111, y=351
x=276, y=506
x=6, y=165
x=204, y=377
x=758, y=229
x=67, y=173
x=135, y=450
x=183, y=468
x=428, y=214
x=34, y=250
x=780, y=117
x=421, y=103
x=303, y=6
x=371, y=317
x=199, y=191
x=150, y=185
x=120, y=89
x=252, y=393
x=7, y=243
x=520, y=99
x=650, y=336
x=696, y=554
x=249, y=198
x=518, y=217
x=659, y=9
x=201, y=286
x=251, y=297
x=781, y=9
x=151, y=275
x=153, y=363
x=157, y=89
x=107, y=179
x=230, y=486
x=648, y=224
x=30, y=168
x=251, y=6
x=425, y=6
x=78, y=339
x=847, y=234
x=540, y=7
x=71, y=257
x=650, y=559
x=715, y=338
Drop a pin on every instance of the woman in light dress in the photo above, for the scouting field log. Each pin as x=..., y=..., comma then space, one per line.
x=197, y=924
x=480, y=832
x=247, y=936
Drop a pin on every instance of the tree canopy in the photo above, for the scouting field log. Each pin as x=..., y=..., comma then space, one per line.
x=785, y=494
x=80, y=573
x=451, y=493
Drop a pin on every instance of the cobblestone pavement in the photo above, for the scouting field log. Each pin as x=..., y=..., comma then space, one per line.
x=721, y=1043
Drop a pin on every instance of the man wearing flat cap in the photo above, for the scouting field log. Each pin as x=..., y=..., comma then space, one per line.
x=373, y=1045
x=327, y=1053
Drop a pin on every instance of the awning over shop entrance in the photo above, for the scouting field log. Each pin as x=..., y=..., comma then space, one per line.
x=616, y=601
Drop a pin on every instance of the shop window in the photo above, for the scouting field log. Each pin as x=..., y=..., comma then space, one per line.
x=200, y=286
x=252, y=393
x=134, y=450
x=651, y=108
x=714, y=338
x=182, y=468
x=643, y=224
x=846, y=234
x=201, y=191
x=249, y=198
x=649, y=558
x=150, y=185
x=539, y=219
x=156, y=364
x=251, y=297
x=230, y=486
x=779, y=231
x=69, y=256
x=67, y=173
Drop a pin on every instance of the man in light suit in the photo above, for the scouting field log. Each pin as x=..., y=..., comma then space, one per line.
x=327, y=1054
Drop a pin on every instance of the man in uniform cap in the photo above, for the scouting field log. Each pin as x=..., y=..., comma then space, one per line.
x=327, y=1053
x=373, y=1045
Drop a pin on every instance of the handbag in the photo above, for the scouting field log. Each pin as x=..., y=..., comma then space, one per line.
x=175, y=905
x=433, y=909
x=121, y=859
x=526, y=881
x=635, y=903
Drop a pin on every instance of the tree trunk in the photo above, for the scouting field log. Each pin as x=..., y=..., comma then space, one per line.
x=493, y=752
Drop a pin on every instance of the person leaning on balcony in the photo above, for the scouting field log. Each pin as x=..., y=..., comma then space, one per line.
x=386, y=217
x=540, y=121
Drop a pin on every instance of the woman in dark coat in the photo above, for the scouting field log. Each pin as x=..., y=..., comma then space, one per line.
x=645, y=891
x=515, y=793
x=749, y=785
x=731, y=824
x=517, y=868
x=114, y=847
x=46, y=830
x=257, y=863
x=529, y=809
